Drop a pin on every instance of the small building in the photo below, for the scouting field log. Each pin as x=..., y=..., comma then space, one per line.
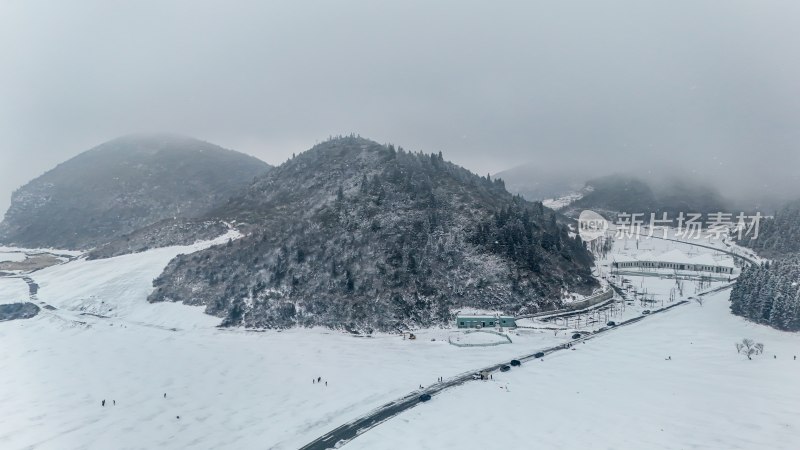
x=484, y=321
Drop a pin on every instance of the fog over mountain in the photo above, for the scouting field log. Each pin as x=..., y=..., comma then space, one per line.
x=623, y=85
x=123, y=185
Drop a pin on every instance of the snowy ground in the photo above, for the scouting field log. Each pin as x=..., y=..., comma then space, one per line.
x=12, y=256
x=13, y=290
x=566, y=200
x=236, y=389
x=232, y=389
x=479, y=338
x=629, y=247
x=619, y=392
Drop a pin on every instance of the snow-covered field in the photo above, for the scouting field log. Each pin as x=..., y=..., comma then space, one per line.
x=232, y=389
x=13, y=290
x=12, y=256
x=560, y=202
x=237, y=389
x=618, y=391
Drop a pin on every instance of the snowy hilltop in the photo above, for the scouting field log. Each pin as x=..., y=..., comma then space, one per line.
x=354, y=234
x=124, y=185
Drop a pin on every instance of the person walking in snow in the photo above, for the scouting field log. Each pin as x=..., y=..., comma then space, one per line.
x=103, y=403
x=165, y=395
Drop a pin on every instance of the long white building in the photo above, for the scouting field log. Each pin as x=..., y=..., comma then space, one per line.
x=674, y=260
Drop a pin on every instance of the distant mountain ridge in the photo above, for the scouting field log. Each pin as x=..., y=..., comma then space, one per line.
x=357, y=235
x=123, y=185
x=536, y=182
x=613, y=194
x=625, y=193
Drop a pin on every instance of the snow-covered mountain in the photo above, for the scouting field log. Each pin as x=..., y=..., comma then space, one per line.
x=360, y=235
x=123, y=185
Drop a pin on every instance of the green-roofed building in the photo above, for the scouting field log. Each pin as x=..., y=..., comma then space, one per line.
x=485, y=321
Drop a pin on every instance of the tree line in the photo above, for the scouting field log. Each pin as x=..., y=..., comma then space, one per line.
x=769, y=294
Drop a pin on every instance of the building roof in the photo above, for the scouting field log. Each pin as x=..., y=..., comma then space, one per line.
x=704, y=259
x=486, y=316
x=676, y=257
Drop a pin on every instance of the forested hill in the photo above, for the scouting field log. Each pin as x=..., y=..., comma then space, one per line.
x=770, y=294
x=779, y=236
x=364, y=236
x=123, y=185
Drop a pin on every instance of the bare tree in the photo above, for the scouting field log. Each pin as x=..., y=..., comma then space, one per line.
x=749, y=348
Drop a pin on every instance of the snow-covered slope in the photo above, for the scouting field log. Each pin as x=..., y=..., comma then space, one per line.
x=233, y=389
x=13, y=290
x=118, y=287
x=565, y=200
x=237, y=389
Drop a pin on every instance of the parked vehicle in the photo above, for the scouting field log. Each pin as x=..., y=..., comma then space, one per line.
x=515, y=362
x=646, y=312
x=505, y=368
x=576, y=336
x=611, y=323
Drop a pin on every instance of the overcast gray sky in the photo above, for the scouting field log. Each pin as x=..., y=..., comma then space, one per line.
x=491, y=84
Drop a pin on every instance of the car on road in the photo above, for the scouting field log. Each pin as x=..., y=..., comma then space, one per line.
x=611, y=323
x=424, y=397
x=646, y=312
x=477, y=376
x=576, y=336
x=539, y=355
x=505, y=368
x=515, y=362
